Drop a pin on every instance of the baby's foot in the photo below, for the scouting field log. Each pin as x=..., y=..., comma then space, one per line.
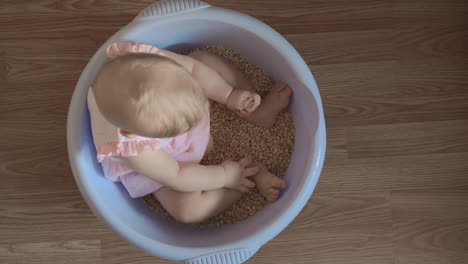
x=276, y=100
x=279, y=94
x=268, y=184
x=243, y=102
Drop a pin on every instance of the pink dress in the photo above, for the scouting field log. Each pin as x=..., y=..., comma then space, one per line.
x=111, y=145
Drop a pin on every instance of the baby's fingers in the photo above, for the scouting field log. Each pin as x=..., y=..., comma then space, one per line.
x=251, y=171
x=243, y=189
x=245, y=161
x=248, y=183
x=243, y=113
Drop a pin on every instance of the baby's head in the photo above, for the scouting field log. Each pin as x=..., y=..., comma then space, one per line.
x=149, y=95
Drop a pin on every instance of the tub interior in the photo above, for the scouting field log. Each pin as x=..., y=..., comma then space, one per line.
x=134, y=213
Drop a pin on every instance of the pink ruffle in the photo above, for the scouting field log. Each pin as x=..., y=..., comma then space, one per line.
x=114, y=168
x=126, y=148
x=122, y=48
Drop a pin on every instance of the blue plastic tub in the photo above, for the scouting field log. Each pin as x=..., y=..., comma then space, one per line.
x=178, y=25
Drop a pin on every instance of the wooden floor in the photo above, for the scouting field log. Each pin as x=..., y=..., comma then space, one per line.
x=394, y=82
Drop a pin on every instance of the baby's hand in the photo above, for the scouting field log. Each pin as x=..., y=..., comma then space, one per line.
x=243, y=102
x=237, y=173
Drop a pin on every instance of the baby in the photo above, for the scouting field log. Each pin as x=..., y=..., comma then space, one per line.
x=150, y=121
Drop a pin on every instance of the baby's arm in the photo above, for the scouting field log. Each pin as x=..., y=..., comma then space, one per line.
x=164, y=169
x=215, y=87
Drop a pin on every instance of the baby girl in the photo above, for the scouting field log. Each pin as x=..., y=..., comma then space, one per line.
x=150, y=120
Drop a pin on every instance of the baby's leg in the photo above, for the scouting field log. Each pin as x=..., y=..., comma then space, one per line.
x=276, y=100
x=227, y=70
x=195, y=207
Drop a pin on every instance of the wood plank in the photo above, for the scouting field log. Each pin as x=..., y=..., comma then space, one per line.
x=420, y=172
x=365, y=79
x=426, y=257
x=359, y=94
x=43, y=101
x=429, y=12
x=43, y=69
x=443, y=205
x=369, y=213
x=47, y=217
x=62, y=26
x=337, y=149
x=57, y=252
x=327, y=246
x=359, y=111
x=79, y=48
x=408, y=139
x=417, y=41
x=49, y=163
x=325, y=16
x=430, y=226
x=51, y=7
x=117, y=251
x=431, y=241
x=426, y=79
x=436, y=41
x=344, y=47
x=333, y=226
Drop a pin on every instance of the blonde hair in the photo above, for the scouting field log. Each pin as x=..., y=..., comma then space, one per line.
x=149, y=95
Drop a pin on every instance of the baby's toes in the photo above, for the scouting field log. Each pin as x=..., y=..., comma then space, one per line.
x=243, y=113
x=248, y=103
x=278, y=183
x=277, y=87
x=286, y=91
x=253, y=102
x=272, y=195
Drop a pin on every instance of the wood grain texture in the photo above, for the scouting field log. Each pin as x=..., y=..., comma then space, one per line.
x=394, y=83
x=75, y=251
x=430, y=226
x=408, y=139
